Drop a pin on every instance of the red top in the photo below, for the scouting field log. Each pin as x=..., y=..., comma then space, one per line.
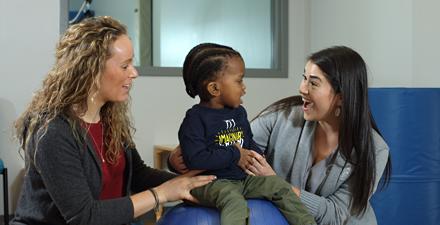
x=112, y=175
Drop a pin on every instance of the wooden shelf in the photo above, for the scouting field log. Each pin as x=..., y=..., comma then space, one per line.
x=160, y=155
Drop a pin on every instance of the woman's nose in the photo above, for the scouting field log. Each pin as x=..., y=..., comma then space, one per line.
x=303, y=88
x=134, y=73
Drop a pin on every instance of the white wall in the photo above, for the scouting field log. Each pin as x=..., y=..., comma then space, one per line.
x=399, y=39
x=28, y=33
x=426, y=43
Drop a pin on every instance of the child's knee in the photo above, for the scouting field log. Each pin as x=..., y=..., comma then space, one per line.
x=232, y=195
x=237, y=206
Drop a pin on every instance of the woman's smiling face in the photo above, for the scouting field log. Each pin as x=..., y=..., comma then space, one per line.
x=119, y=72
x=320, y=99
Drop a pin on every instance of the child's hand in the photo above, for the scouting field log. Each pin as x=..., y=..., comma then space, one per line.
x=246, y=157
x=176, y=160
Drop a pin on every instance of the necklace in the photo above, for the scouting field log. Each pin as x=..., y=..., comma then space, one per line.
x=99, y=146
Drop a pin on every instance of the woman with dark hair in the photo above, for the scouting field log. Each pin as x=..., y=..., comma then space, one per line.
x=325, y=141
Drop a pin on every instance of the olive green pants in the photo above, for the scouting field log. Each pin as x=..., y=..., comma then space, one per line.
x=229, y=196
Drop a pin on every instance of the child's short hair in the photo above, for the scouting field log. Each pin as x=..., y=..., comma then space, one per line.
x=202, y=65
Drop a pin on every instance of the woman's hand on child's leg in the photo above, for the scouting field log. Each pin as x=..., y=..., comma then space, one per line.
x=179, y=188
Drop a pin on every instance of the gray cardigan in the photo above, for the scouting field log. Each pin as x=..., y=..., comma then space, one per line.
x=63, y=184
x=287, y=139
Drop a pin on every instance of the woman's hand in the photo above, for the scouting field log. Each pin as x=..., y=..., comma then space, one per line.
x=176, y=160
x=175, y=189
x=179, y=188
x=259, y=166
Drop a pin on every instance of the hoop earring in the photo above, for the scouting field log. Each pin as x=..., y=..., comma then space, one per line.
x=338, y=112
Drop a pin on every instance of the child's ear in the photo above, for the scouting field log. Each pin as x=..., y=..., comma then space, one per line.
x=213, y=88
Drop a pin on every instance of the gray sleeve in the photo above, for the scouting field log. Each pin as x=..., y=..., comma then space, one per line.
x=381, y=162
x=330, y=210
x=335, y=208
x=262, y=128
x=58, y=161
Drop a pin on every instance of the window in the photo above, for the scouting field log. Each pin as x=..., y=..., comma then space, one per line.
x=163, y=31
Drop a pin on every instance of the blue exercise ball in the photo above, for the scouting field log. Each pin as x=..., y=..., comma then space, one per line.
x=262, y=212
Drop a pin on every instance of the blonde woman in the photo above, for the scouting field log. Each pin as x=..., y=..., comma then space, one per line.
x=82, y=164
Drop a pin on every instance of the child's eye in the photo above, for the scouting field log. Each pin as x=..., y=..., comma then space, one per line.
x=124, y=67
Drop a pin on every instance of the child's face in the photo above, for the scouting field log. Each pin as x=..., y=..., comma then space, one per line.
x=231, y=83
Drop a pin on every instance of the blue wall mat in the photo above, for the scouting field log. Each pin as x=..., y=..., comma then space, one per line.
x=409, y=119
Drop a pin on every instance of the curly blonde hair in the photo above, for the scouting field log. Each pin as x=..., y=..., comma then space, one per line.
x=81, y=55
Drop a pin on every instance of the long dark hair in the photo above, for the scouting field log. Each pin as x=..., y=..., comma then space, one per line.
x=202, y=65
x=347, y=73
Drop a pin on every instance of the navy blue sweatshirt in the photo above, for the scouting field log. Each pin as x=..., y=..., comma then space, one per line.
x=207, y=138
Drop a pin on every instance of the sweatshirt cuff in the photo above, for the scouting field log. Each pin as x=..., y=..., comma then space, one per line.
x=311, y=201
